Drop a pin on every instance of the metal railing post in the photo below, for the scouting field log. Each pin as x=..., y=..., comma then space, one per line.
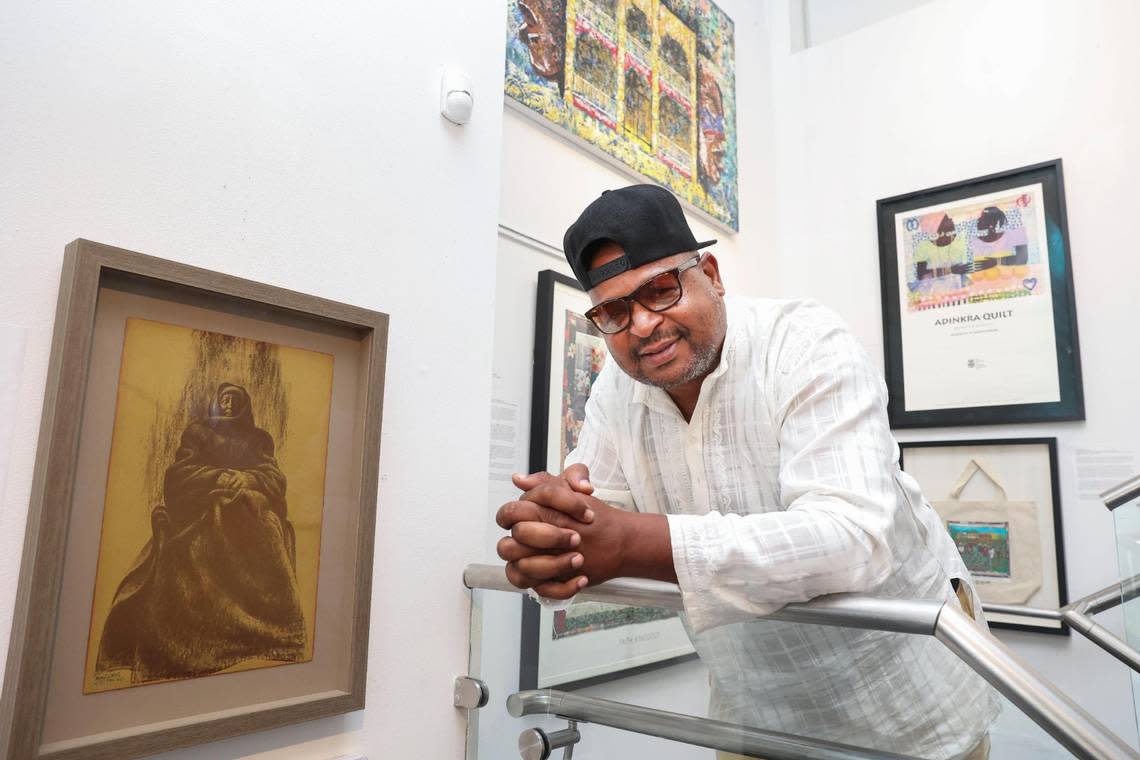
x=1062, y=718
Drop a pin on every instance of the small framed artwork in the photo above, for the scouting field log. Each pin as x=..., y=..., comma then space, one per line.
x=198, y=555
x=999, y=500
x=979, y=318
x=589, y=642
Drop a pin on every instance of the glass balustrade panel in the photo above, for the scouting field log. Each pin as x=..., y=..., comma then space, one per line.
x=1126, y=520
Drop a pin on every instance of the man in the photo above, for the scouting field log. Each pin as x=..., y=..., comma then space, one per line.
x=747, y=445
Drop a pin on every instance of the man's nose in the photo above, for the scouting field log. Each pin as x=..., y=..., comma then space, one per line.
x=642, y=321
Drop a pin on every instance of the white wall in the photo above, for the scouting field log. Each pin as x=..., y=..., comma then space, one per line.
x=825, y=20
x=297, y=144
x=956, y=89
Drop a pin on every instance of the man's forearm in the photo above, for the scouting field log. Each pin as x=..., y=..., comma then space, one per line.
x=646, y=550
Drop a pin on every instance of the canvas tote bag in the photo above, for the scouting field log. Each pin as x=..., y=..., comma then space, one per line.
x=999, y=539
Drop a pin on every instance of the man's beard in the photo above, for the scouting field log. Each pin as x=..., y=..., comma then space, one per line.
x=703, y=361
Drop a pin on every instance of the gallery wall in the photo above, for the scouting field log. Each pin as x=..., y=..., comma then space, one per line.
x=303, y=148
x=956, y=89
x=299, y=145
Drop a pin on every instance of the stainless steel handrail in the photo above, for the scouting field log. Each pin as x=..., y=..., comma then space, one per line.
x=1107, y=597
x=702, y=732
x=1091, y=630
x=1121, y=494
x=1013, y=609
x=1078, y=615
x=846, y=610
x=1065, y=721
x=1062, y=718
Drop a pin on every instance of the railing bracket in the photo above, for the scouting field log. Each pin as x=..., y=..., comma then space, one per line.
x=471, y=693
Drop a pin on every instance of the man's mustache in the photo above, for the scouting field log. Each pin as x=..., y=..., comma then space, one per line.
x=659, y=336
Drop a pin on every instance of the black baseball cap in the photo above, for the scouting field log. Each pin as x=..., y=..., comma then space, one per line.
x=645, y=220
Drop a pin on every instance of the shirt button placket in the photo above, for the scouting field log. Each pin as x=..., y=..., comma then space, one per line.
x=695, y=459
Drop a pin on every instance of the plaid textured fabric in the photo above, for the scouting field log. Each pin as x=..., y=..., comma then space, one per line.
x=785, y=486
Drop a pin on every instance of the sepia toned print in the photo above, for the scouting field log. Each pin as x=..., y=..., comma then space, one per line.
x=211, y=528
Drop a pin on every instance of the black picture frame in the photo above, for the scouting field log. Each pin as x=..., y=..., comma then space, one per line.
x=558, y=292
x=1070, y=405
x=1057, y=545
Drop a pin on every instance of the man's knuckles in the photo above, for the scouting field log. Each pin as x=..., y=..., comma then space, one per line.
x=511, y=550
x=517, y=578
x=550, y=566
x=516, y=511
x=543, y=535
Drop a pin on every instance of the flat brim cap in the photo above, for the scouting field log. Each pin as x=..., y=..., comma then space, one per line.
x=645, y=220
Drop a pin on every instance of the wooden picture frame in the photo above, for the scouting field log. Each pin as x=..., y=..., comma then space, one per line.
x=590, y=642
x=102, y=290
x=1026, y=475
x=979, y=311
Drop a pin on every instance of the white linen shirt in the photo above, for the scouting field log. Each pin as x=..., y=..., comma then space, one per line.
x=785, y=486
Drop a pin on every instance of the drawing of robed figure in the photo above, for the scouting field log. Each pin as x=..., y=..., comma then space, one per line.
x=216, y=584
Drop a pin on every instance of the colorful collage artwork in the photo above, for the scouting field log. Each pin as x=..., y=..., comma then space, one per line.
x=975, y=252
x=650, y=82
x=585, y=355
x=984, y=547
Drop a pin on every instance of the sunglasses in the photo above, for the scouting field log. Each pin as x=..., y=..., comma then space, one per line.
x=657, y=293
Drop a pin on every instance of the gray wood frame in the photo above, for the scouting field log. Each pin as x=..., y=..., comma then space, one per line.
x=86, y=265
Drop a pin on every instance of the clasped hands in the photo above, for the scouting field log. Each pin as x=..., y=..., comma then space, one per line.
x=562, y=538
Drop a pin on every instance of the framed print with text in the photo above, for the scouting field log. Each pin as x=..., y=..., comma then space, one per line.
x=589, y=642
x=979, y=319
x=999, y=499
x=198, y=557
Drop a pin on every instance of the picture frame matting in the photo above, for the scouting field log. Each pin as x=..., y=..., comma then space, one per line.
x=1026, y=472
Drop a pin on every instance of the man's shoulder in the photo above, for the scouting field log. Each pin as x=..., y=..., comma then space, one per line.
x=771, y=333
x=761, y=317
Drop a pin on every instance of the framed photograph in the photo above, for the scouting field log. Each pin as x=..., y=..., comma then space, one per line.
x=979, y=319
x=648, y=85
x=999, y=500
x=198, y=555
x=589, y=642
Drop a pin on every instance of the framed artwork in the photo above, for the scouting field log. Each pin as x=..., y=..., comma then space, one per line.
x=198, y=555
x=979, y=319
x=647, y=84
x=999, y=500
x=589, y=642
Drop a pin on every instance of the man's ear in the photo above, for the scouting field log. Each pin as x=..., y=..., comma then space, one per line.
x=711, y=268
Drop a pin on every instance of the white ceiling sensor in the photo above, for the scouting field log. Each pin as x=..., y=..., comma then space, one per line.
x=456, y=100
